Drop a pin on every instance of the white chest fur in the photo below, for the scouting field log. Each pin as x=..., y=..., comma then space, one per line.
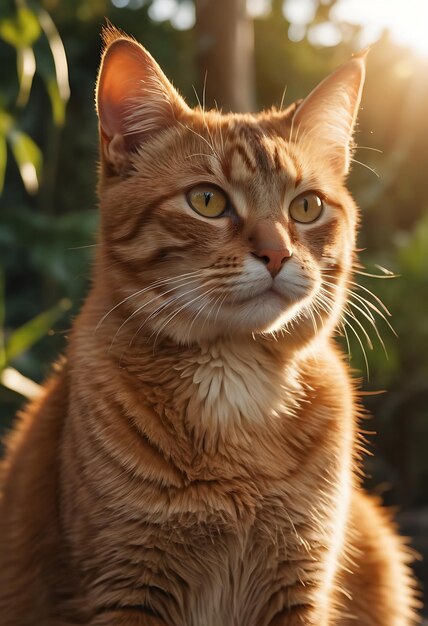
x=236, y=382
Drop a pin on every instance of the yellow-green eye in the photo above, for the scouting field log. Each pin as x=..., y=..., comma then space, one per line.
x=207, y=200
x=306, y=208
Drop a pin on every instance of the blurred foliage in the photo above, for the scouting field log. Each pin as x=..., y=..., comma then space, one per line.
x=20, y=341
x=37, y=45
x=48, y=153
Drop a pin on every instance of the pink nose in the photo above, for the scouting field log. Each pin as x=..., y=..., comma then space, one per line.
x=273, y=259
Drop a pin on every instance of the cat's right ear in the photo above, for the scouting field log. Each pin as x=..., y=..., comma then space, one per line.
x=134, y=100
x=327, y=116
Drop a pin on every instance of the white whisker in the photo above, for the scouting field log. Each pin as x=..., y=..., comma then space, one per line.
x=171, y=317
x=348, y=323
x=143, y=306
x=366, y=166
x=156, y=283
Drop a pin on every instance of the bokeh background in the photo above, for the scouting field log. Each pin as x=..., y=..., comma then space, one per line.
x=248, y=54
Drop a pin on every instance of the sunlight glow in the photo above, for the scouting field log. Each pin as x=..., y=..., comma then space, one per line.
x=185, y=16
x=299, y=11
x=406, y=20
x=324, y=34
x=162, y=10
x=258, y=8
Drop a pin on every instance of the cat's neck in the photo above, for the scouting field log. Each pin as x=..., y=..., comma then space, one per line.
x=243, y=380
x=230, y=395
x=226, y=379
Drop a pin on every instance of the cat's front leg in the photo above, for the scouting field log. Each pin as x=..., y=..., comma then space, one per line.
x=128, y=617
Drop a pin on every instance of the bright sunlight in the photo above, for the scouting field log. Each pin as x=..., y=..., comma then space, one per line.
x=407, y=21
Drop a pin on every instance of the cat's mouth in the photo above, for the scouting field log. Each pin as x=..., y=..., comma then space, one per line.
x=285, y=298
x=273, y=291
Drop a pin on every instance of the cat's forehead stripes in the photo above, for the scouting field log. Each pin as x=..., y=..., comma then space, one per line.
x=247, y=150
x=254, y=140
x=252, y=153
x=239, y=164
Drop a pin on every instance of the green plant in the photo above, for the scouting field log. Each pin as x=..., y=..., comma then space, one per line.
x=28, y=29
x=22, y=339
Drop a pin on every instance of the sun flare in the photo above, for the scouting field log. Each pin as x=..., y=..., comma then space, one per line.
x=406, y=20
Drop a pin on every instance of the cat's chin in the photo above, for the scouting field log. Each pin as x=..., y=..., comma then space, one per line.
x=268, y=312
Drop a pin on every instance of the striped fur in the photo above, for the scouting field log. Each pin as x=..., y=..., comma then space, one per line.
x=193, y=460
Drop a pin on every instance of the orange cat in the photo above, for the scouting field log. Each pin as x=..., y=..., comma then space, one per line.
x=193, y=460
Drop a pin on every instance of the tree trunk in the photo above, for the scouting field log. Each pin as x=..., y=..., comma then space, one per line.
x=225, y=49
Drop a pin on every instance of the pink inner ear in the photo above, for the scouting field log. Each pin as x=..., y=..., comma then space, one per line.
x=122, y=75
x=134, y=97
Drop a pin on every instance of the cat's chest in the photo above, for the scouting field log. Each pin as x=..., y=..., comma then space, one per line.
x=217, y=547
x=253, y=505
x=224, y=387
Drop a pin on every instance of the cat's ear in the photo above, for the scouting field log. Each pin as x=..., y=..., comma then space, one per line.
x=327, y=116
x=134, y=99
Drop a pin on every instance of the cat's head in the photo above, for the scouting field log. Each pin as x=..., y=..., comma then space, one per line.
x=218, y=224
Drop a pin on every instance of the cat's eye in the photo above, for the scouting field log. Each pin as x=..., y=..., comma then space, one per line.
x=306, y=208
x=207, y=200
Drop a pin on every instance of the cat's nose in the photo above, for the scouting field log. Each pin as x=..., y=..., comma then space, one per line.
x=273, y=259
x=271, y=244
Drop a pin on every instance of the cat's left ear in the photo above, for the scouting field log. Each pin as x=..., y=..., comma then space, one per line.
x=327, y=116
x=134, y=99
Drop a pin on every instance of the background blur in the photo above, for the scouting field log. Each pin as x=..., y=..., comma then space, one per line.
x=247, y=53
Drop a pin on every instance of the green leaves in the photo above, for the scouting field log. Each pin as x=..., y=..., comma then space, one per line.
x=57, y=102
x=58, y=247
x=27, y=335
x=38, y=46
x=26, y=67
x=27, y=154
x=28, y=158
x=22, y=30
x=57, y=84
x=21, y=340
